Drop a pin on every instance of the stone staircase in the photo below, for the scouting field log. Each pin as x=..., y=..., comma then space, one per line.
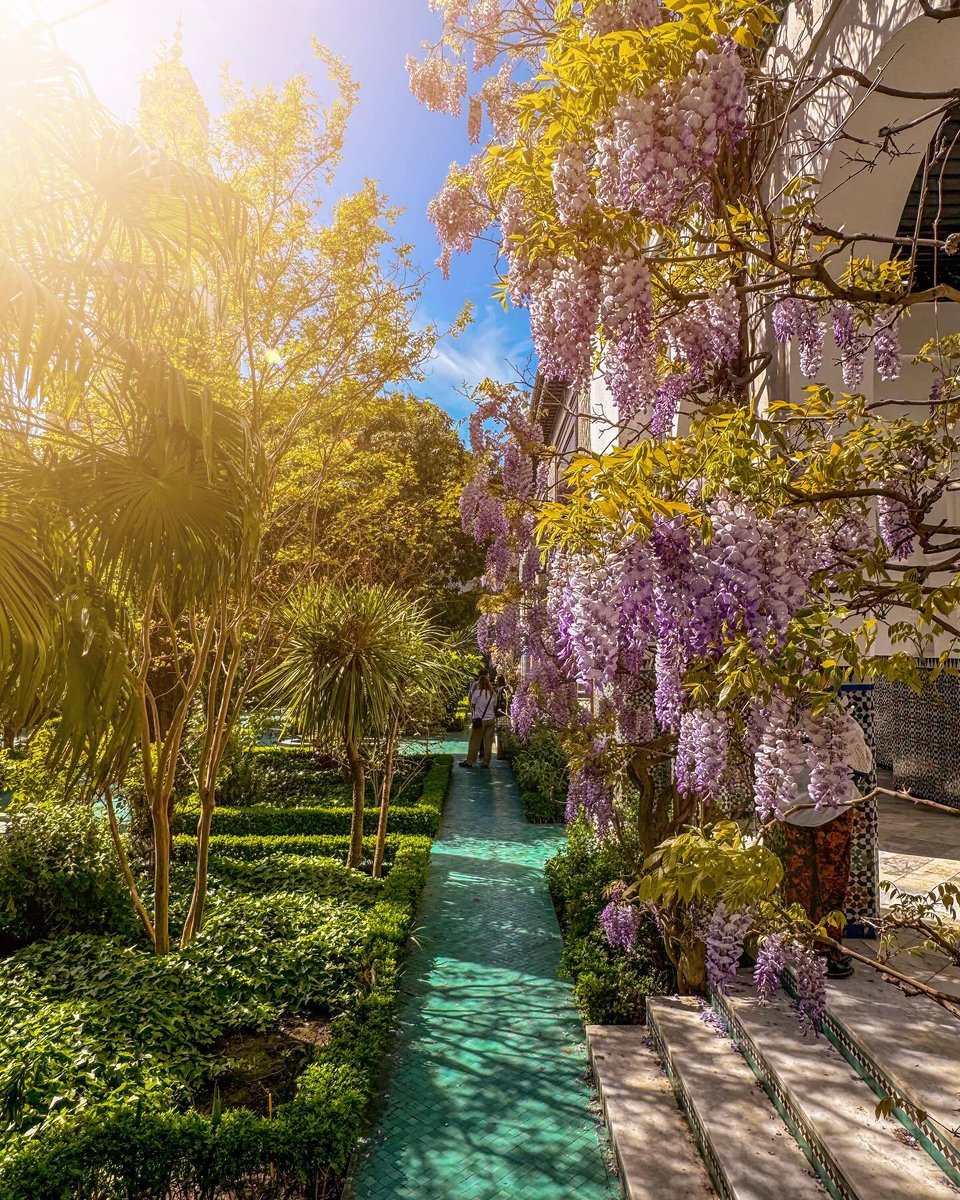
x=735, y=1102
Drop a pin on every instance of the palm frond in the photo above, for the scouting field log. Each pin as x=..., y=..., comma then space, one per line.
x=349, y=655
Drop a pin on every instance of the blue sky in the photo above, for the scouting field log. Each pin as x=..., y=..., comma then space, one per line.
x=392, y=139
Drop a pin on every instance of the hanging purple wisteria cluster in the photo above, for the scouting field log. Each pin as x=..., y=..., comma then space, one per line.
x=621, y=922
x=803, y=319
x=724, y=934
x=778, y=952
x=626, y=624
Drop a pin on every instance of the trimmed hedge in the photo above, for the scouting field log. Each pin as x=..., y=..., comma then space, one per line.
x=286, y=777
x=269, y=821
x=124, y=1148
x=422, y=818
x=281, y=871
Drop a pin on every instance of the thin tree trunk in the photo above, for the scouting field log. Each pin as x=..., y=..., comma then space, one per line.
x=126, y=868
x=356, y=824
x=160, y=813
x=390, y=758
x=199, y=899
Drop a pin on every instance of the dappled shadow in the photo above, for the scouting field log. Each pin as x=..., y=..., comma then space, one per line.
x=487, y=1083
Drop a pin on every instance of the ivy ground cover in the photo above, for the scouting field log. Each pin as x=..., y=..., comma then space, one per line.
x=124, y=1074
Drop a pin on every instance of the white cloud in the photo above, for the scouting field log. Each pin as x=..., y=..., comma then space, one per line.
x=490, y=348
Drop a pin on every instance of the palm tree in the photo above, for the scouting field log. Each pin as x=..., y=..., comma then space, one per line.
x=433, y=678
x=350, y=655
x=126, y=485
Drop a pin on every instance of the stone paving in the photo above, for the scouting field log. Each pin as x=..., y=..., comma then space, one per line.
x=919, y=848
x=486, y=1093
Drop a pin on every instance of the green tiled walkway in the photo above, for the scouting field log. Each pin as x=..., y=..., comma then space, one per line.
x=486, y=1095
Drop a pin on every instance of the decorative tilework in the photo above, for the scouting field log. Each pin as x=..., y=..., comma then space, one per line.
x=863, y=895
x=487, y=1097
x=919, y=735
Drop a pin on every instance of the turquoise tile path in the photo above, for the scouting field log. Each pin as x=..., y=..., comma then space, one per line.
x=486, y=1094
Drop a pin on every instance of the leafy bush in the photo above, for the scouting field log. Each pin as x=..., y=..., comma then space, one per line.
x=540, y=765
x=540, y=768
x=30, y=771
x=251, y=832
x=610, y=987
x=108, y=1044
x=288, y=777
x=282, y=872
x=264, y=820
x=59, y=874
x=542, y=811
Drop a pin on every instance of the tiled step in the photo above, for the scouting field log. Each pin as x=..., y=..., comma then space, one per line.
x=909, y=1049
x=832, y=1110
x=749, y=1152
x=655, y=1154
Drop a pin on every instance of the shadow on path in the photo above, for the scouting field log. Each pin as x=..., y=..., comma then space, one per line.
x=487, y=1096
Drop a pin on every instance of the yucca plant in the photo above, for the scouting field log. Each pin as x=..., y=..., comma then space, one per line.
x=351, y=655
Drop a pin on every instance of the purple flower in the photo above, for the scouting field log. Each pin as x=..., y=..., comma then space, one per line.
x=810, y=980
x=770, y=966
x=850, y=344
x=621, y=923
x=626, y=310
x=779, y=758
x=893, y=519
x=828, y=755
x=702, y=751
x=670, y=395
x=589, y=793
x=796, y=317
x=886, y=346
x=724, y=933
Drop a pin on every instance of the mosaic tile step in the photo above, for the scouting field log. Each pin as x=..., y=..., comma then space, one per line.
x=657, y=1157
x=909, y=1048
x=832, y=1109
x=748, y=1150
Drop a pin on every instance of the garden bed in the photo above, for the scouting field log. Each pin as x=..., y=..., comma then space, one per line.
x=125, y=1075
x=540, y=769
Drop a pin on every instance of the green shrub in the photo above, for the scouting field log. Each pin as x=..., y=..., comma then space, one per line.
x=610, y=987
x=292, y=777
x=539, y=766
x=109, y=1043
x=32, y=771
x=281, y=872
x=86, y=1018
x=123, y=1150
x=540, y=810
x=269, y=821
x=59, y=874
x=251, y=848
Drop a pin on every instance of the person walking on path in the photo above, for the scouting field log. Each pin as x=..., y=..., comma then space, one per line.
x=483, y=711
